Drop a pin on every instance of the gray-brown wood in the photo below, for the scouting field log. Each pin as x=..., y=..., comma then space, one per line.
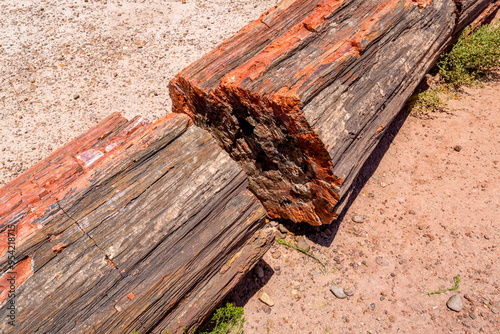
x=301, y=96
x=131, y=227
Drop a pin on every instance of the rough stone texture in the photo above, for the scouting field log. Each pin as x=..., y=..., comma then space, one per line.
x=301, y=96
x=130, y=227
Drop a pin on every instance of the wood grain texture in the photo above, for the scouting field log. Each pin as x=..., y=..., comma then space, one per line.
x=131, y=227
x=301, y=96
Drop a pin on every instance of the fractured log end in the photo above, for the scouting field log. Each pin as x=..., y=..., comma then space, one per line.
x=288, y=166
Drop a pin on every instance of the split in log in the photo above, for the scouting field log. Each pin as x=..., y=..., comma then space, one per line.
x=131, y=227
x=301, y=96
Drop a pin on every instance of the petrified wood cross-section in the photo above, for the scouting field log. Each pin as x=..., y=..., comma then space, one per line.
x=301, y=96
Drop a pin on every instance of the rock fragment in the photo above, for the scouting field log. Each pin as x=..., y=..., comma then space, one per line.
x=303, y=244
x=455, y=303
x=265, y=298
x=358, y=219
x=338, y=291
x=349, y=291
x=259, y=271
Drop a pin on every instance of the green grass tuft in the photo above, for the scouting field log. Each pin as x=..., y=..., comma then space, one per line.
x=226, y=320
x=428, y=100
x=455, y=287
x=472, y=57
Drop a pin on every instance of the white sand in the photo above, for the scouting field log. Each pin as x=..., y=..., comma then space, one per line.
x=65, y=64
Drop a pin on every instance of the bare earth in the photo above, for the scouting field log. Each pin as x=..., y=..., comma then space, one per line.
x=430, y=209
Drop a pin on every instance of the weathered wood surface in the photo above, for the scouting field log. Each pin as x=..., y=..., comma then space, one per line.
x=130, y=227
x=301, y=96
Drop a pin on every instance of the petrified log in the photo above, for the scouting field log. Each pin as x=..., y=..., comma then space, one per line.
x=301, y=96
x=131, y=227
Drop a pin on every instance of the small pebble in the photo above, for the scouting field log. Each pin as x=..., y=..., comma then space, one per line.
x=273, y=223
x=276, y=255
x=337, y=291
x=469, y=298
x=411, y=212
x=76, y=96
x=302, y=243
x=458, y=148
x=472, y=316
x=265, y=298
x=279, y=234
x=282, y=228
x=455, y=303
x=358, y=219
x=277, y=268
x=259, y=271
x=349, y=291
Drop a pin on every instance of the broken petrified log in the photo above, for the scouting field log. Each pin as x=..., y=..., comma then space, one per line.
x=301, y=96
x=131, y=227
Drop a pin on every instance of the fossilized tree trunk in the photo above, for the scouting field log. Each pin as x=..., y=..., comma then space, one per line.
x=131, y=227
x=301, y=96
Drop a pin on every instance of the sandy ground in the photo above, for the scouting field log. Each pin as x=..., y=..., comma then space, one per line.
x=430, y=209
